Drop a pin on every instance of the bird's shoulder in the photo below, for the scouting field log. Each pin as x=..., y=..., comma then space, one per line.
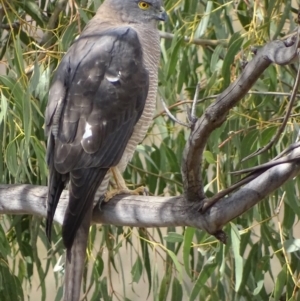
x=109, y=33
x=93, y=50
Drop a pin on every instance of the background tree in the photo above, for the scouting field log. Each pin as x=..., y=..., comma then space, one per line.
x=210, y=44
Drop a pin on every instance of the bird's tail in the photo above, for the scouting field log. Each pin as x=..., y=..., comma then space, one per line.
x=82, y=188
x=56, y=184
x=75, y=262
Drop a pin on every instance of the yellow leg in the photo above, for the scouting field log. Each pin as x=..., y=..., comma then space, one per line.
x=121, y=186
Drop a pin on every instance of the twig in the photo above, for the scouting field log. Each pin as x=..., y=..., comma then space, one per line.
x=200, y=42
x=181, y=102
x=46, y=40
x=14, y=25
x=286, y=117
x=172, y=116
x=193, y=114
x=289, y=149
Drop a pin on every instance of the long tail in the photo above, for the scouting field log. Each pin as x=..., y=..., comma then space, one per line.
x=75, y=231
x=83, y=186
x=76, y=261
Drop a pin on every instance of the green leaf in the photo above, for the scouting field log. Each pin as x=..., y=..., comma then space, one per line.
x=173, y=237
x=137, y=270
x=10, y=287
x=99, y=265
x=267, y=135
x=27, y=117
x=209, y=157
x=259, y=287
x=187, y=244
x=214, y=63
x=165, y=285
x=35, y=78
x=33, y=10
x=14, y=87
x=202, y=28
x=289, y=188
x=19, y=62
x=104, y=290
x=177, y=292
x=4, y=107
x=173, y=59
x=69, y=36
x=11, y=158
x=280, y=283
x=4, y=245
x=59, y=294
x=204, y=275
x=146, y=258
x=235, y=44
x=144, y=150
x=243, y=15
x=238, y=260
x=177, y=264
x=291, y=245
x=285, y=15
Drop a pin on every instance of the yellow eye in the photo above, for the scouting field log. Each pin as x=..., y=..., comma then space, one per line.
x=143, y=5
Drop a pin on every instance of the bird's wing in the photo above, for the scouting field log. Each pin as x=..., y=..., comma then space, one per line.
x=97, y=96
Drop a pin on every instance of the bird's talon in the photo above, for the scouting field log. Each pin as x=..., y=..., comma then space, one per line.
x=140, y=190
x=146, y=191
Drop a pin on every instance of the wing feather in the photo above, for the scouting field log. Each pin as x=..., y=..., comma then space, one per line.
x=97, y=96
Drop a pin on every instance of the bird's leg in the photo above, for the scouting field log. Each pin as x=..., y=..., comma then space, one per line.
x=121, y=186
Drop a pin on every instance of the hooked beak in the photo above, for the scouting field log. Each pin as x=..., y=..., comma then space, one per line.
x=162, y=16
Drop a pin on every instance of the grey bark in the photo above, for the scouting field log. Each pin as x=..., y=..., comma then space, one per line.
x=146, y=211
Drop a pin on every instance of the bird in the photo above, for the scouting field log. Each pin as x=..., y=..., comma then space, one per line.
x=100, y=105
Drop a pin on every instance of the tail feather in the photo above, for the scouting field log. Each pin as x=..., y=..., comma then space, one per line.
x=75, y=262
x=57, y=183
x=83, y=186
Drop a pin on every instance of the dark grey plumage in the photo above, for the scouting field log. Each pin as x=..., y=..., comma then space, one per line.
x=96, y=98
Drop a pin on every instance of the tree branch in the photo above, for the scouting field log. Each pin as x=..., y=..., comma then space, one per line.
x=279, y=52
x=147, y=211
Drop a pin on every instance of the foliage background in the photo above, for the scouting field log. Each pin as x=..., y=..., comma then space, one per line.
x=261, y=259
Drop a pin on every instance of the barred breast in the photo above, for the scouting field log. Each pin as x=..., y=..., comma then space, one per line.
x=149, y=39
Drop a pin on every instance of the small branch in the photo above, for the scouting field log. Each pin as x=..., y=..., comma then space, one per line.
x=193, y=116
x=274, y=52
x=254, y=172
x=200, y=42
x=14, y=25
x=275, y=138
x=171, y=116
x=46, y=40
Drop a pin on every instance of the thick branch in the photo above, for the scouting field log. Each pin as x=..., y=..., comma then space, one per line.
x=146, y=211
x=274, y=52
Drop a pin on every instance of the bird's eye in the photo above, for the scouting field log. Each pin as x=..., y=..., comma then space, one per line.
x=143, y=5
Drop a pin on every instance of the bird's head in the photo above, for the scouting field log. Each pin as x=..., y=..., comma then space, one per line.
x=137, y=11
